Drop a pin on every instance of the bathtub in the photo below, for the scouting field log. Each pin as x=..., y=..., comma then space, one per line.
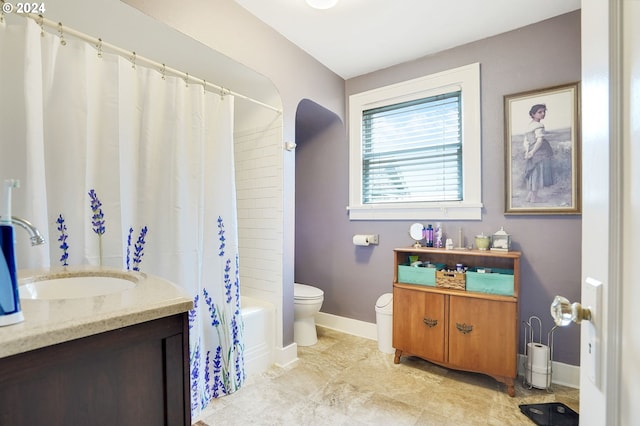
x=259, y=334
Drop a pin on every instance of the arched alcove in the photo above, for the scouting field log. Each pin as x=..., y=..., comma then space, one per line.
x=321, y=195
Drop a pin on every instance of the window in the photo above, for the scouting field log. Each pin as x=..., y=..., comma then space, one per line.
x=412, y=151
x=415, y=149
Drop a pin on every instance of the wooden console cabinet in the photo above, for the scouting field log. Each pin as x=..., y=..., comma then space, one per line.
x=458, y=329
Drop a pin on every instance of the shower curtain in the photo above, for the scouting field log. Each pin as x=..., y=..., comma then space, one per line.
x=125, y=167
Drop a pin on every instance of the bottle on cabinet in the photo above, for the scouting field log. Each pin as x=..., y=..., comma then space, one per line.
x=429, y=236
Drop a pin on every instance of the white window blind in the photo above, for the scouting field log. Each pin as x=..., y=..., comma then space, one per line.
x=412, y=151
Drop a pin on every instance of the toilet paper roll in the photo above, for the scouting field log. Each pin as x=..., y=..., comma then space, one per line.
x=538, y=355
x=541, y=380
x=361, y=240
x=539, y=365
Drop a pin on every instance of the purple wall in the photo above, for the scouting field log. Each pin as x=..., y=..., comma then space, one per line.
x=534, y=57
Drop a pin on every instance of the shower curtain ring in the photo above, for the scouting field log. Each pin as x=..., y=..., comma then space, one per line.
x=204, y=86
x=222, y=93
x=40, y=22
x=186, y=80
x=99, y=46
x=133, y=60
x=61, y=34
x=163, y=71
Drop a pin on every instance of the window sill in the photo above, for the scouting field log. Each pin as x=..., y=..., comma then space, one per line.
x=440, y=211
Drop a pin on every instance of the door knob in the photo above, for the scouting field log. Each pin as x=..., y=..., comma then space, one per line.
x=563, y=311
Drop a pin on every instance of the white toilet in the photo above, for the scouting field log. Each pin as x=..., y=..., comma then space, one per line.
x=307, y=301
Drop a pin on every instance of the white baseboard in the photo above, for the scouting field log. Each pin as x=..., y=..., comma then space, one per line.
x=562, y=374
x=286, y=356
x=347, y=325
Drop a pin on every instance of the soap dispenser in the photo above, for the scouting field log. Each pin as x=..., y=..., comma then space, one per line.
x=10, y=312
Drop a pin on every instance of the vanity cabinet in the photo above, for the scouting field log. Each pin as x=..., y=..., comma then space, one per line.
x=458, y=329
x=136, y=375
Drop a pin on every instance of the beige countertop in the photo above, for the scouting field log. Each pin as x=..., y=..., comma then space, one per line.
x=48, y=322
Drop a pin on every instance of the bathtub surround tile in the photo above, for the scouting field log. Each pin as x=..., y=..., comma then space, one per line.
x=346, y=380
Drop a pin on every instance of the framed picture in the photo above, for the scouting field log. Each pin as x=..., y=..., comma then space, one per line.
x=542, y=151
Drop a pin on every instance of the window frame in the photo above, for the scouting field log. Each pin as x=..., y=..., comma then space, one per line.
x=466, y=79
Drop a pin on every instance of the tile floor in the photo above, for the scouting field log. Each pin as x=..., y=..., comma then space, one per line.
x=346, y=380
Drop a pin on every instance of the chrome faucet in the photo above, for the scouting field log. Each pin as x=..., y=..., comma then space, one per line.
x=34, y=234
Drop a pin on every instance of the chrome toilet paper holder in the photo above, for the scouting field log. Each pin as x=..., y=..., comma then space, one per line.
x=535, y=374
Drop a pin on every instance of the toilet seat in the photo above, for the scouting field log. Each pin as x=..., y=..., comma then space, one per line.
x=306, y=292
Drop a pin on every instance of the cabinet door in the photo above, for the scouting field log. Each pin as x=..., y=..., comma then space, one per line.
x=419, y=323
x=483, y=335
x=136, y=375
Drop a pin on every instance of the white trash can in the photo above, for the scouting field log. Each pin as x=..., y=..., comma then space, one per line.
x=384, y=320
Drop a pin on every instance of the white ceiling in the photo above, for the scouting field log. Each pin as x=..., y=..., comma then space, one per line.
x=360, y=36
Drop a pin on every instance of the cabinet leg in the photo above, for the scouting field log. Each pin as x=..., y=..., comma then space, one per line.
x=396, y=358
x=509, y=383
x=511, y=389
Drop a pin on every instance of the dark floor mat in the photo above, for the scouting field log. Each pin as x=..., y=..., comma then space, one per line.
x=550, y=414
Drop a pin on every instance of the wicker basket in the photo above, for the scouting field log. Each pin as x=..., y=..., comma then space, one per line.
x=451, y=279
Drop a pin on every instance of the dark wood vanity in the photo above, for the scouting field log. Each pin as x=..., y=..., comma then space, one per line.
x=135, y=375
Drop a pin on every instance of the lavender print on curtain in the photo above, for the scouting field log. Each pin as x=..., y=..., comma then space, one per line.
x=64, y=246
x=215, y=371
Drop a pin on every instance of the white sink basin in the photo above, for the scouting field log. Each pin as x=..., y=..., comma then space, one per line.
x=75, y=286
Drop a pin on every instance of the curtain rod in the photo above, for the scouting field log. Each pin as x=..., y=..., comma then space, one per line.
x=135, y=59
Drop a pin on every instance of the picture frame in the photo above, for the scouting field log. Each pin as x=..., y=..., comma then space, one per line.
x=542, y=151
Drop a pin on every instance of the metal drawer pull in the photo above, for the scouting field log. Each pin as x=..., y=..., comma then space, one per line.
x=464, y=328
x=430, y=322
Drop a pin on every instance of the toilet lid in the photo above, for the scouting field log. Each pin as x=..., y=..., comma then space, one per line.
x=302, y=291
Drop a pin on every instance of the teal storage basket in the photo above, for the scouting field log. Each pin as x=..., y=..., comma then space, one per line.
x=418, y=274
x=498, y=281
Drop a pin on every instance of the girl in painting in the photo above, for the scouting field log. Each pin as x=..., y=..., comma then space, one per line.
x=537, y=154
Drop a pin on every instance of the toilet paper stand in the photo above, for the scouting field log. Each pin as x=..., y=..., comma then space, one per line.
x=538, y=357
